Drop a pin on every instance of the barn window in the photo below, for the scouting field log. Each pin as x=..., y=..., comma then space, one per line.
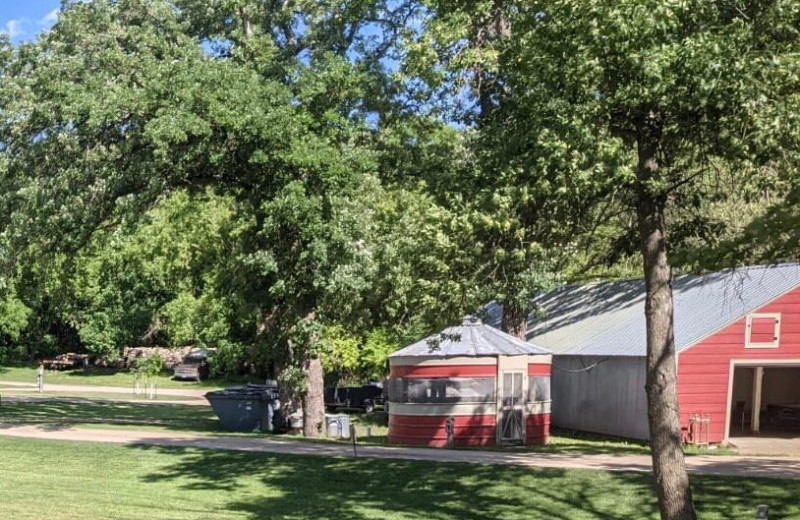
x=538, y=388
x=442, y=390
x=763, y=331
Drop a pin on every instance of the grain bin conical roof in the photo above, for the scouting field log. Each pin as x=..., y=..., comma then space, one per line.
x=471, y=338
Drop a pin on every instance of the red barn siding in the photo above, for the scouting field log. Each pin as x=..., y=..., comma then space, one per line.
x=762, y=330
x=470, y=430
x=537, y=428
x=704, y=368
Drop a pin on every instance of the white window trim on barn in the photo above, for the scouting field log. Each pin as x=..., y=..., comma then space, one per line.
x=749, y=328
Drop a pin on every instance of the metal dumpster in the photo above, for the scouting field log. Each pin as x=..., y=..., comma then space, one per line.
x=245, y=408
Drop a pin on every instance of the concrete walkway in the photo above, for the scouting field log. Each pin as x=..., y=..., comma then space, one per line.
x=775, y=467
x=769, y=444
x=90, y=389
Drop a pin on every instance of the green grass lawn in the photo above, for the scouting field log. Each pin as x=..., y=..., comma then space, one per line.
x=97, y=377
x=151, y=416
x=61, y=413
x=581, y=442
x=100, y=413
x=61, y=480
x=27, y=392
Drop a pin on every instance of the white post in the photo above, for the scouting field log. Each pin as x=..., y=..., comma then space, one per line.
x=758, y=381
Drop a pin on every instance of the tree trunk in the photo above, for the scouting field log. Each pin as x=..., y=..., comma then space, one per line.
x=496, y=28
x=247, y=27
x=515, y=321
x=669, y=467
x=313, y=398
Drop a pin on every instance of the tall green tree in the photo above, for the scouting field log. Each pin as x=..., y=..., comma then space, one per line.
x=124, y=102
x=528, y=210
x=119, y=103
x=667, y=91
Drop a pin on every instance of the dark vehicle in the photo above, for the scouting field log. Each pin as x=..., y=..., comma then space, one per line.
x=367, y=397
x=195, y=365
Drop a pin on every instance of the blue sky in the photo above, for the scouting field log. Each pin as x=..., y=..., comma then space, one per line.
x=24, y=19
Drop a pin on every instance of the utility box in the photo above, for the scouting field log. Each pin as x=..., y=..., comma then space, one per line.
x=338, y=425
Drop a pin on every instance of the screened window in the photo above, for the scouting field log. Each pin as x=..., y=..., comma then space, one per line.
x=538, y=388
x=442, y=390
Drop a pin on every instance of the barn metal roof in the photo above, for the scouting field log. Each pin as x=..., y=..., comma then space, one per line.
x=471, y=338
x=607, y=319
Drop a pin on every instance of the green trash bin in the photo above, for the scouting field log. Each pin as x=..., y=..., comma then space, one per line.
x=245, y=408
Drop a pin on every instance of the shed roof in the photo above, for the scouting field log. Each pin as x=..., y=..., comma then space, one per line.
x=471, y=338
x=607, y=319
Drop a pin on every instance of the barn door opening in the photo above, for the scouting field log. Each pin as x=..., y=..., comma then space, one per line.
x=512, y=424
x=765, y=401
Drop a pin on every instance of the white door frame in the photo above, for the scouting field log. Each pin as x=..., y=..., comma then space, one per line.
x=510, y=364
x=751, y=363
x=517, y=406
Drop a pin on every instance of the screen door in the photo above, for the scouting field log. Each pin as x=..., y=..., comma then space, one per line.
x=512, y=425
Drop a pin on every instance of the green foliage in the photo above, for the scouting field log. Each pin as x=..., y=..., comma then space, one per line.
x=343, y=357
x=582, y=84
x=378, y=344
x=230, y=360
x=148, y=367
x=354, y=359
x=236, y=485
x=255, y=177
x=13, y=318
x=155, y=281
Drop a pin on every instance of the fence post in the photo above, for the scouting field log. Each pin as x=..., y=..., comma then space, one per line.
x=762, y=512
x=353, y=437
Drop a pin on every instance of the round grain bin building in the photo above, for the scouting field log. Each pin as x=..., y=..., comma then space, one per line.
x=469, y=385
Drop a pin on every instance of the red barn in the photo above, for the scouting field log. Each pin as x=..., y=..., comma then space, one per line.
x=494, y=388
x=737, y=334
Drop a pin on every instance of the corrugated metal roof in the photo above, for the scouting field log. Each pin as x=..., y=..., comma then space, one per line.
x=607, y=319
x=471, y=338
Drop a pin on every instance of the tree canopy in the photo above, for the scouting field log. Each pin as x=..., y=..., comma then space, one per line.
x=310, y=185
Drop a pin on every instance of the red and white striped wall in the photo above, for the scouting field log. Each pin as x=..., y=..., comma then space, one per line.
x=475, y=423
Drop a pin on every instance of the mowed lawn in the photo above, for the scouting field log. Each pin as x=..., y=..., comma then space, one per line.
x=62, y=413
x=97, y=377
x=62, y=480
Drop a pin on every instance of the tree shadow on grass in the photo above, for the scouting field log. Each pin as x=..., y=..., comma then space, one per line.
x=262, y=485
x=300, y=487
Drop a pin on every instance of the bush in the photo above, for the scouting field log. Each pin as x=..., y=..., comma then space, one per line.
x=148, y=367
x=229, y=359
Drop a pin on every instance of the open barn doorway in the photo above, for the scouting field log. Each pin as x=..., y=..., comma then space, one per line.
x=765, y=401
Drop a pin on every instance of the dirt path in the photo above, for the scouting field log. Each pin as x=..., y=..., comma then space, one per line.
x=184, y=392
x=786, y=468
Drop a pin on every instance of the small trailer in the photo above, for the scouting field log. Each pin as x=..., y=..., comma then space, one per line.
x=367, y=397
